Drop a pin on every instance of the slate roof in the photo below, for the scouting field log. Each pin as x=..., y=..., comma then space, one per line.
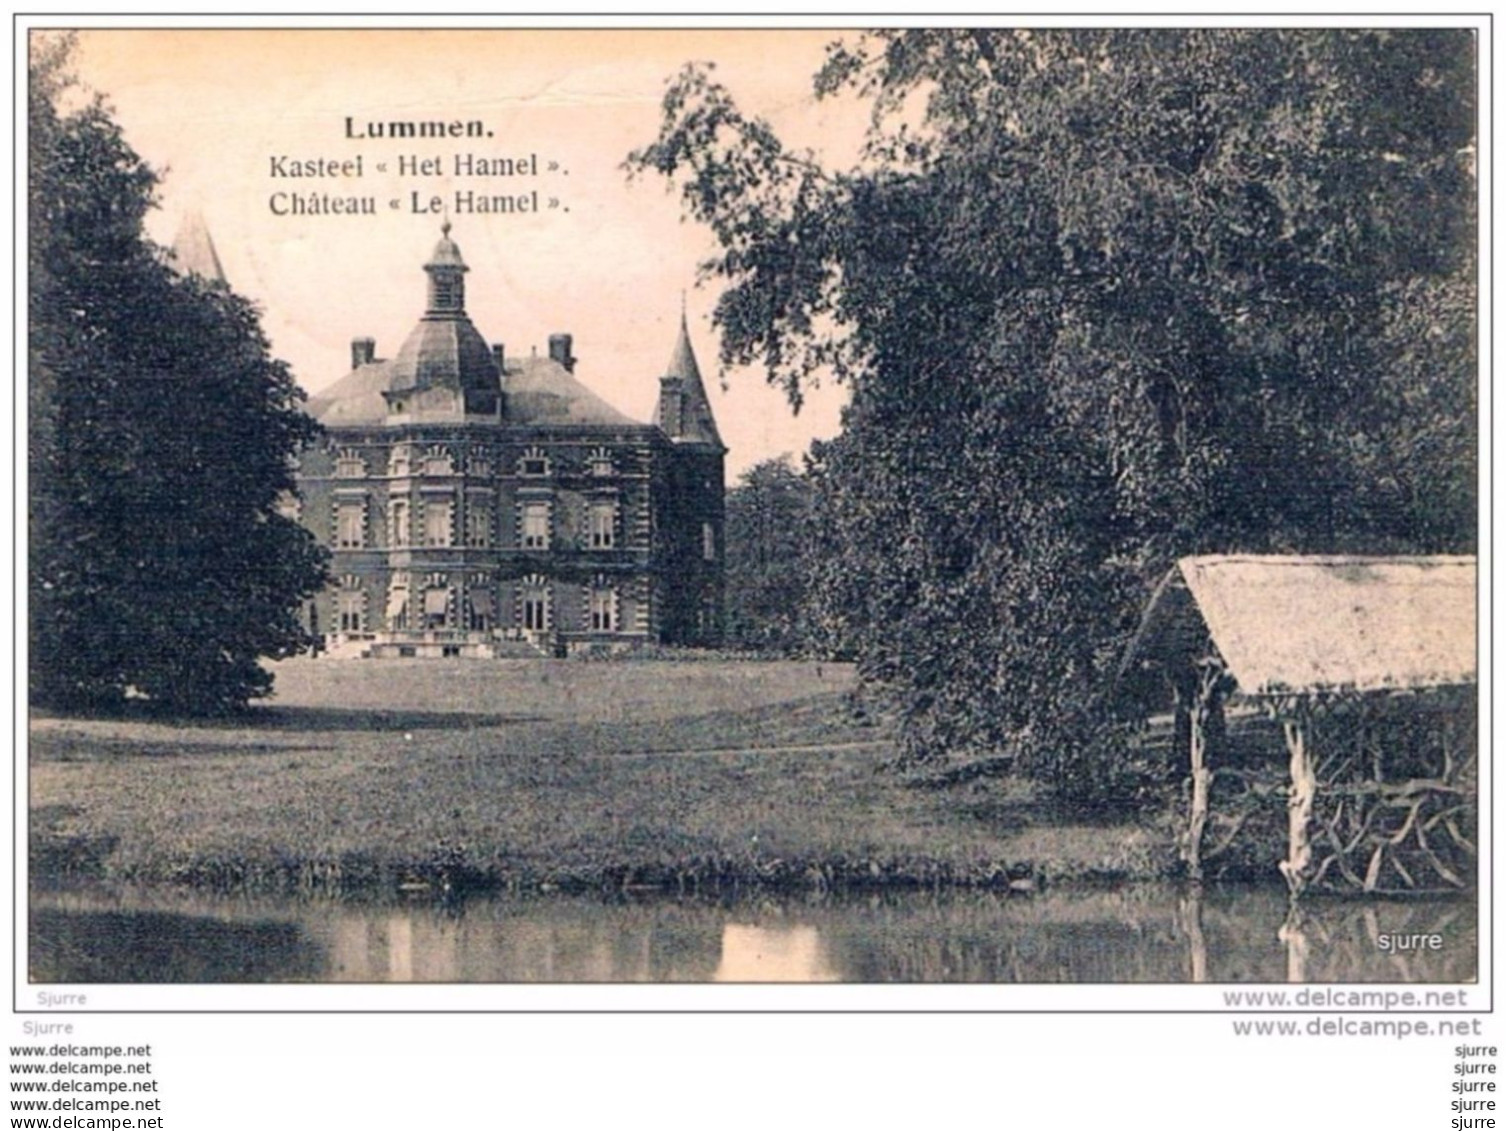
x=193, y=250
x=355, y=398
x=698, y=425
x=443, y=351
x=1309, y=625
x=446, y=253
x=537, y=390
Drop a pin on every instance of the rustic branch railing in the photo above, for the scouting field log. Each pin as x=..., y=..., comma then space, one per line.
x=1378, y=797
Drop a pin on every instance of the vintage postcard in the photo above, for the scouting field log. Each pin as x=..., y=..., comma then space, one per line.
x=752, y=507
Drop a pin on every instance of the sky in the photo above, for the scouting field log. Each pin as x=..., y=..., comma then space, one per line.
x=212, y=109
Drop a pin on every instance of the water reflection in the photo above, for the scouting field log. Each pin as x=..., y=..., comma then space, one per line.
x=773, y=954
x=156, y=946
x=1135, y=934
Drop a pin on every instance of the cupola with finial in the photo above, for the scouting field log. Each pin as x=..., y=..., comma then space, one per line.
x=446, y=270
x=444, y=370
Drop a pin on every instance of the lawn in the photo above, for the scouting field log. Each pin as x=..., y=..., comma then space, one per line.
x=376, y=775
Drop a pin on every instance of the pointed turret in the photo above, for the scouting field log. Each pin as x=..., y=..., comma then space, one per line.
x=193, y=251
x=684, y=411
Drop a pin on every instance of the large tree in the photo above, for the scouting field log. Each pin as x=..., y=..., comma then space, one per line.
x=767, y=566
x=161, y=435
x=1103, y=298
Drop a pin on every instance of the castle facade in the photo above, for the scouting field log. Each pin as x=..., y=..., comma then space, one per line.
x=478, y=504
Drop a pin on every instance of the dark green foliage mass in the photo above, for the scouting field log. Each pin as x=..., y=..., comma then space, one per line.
x=1103, y=298
x=161, y=435
x=767, y=563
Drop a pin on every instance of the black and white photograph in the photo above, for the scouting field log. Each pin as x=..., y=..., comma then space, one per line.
x=752, y=507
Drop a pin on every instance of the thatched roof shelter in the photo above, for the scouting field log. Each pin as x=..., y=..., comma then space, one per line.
x=1301, y=635
x=1315, y=625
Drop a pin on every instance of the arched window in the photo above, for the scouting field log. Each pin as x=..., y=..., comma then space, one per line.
x=350, y=605
x=533, y=603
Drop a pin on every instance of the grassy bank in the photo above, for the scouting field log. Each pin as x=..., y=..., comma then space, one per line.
x=369, y=776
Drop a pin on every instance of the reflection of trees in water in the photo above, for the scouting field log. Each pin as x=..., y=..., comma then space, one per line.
x=156, y=946
x=1229, y=935
x=1127, y=936
x=1335, y=940
x=1340, y=942
x=1136, y=934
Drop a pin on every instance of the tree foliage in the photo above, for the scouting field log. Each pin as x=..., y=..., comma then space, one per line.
x=161, y=438
x=767, y=559
x=1103, y=298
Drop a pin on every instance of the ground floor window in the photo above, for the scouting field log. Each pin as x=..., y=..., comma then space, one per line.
x=397, y=602
x=351, y=607
x=479, y=612
x=436, y=608
x=535, y=607
x=603, y=609
x=535, y=612
x=708, y=618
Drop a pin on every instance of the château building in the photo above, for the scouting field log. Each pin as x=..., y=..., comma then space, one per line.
x=481, y=504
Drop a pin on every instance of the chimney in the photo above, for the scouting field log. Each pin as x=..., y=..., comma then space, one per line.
x=362, y=352
x=672, y=405
x=499, y=358
x=559, y=350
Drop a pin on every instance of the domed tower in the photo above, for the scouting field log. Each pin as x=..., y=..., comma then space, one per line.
x=445, y=371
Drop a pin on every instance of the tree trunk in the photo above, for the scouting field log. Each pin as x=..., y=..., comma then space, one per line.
x=1304, y=790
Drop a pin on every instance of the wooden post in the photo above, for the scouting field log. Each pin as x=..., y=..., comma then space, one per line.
x=1181, y=730
x=1197, y=818
x=1295, y=938
x=1299, y=803
x=1205, y=704
x=1191, y=908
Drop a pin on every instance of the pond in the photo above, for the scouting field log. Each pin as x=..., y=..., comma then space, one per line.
x=1139, y=933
